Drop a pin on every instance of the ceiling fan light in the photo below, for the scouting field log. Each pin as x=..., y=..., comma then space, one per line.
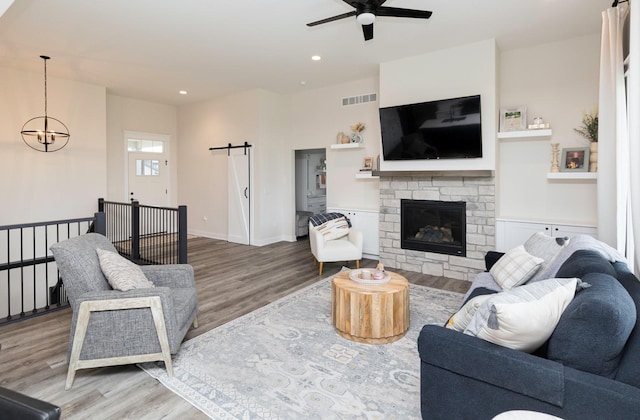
x=366, y=18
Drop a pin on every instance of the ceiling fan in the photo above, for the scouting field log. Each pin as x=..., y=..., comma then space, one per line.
x=366, y=12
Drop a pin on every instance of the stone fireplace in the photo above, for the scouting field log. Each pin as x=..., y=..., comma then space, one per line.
x=459, y=232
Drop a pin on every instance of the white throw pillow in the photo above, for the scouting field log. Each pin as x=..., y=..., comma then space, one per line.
x=334, y=229
x=460, y=319
x=121, y=273
x=515, y=268
x=524, y=317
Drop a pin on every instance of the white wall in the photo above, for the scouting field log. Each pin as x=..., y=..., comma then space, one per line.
x=456, y=72
x=557, y=81
x=126, y=114
x=255, y=116
x=276, y=126
x=65, y=184
x=272, y=178
x=315, y=118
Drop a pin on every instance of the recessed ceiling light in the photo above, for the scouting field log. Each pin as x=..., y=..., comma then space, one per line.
x=303, y=82
x=316, y=58
x=183, y=92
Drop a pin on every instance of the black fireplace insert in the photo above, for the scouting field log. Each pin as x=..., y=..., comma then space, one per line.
x=434, y=226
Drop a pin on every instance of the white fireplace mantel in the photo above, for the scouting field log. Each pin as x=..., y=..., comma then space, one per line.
x=457, y=173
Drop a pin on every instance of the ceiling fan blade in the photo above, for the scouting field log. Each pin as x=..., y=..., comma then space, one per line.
x=331, y=19
x=370, y=3
x=405, y=13
x=367, y=30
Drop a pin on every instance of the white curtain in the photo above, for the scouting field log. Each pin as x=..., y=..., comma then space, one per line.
x=633, y=90
x=619, y=148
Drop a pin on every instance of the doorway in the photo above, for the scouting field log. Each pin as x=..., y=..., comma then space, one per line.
x=147, y=172
x=310, y=186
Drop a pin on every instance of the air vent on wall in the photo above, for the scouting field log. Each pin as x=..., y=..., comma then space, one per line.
x=360, y=99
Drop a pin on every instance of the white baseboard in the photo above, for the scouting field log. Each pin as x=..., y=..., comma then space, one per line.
x=206, y=234
x=256, y=242
x=273, y=240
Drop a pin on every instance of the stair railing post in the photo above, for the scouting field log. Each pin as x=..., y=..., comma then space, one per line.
x=101, y=223
x=135, y=230
x=182, y=234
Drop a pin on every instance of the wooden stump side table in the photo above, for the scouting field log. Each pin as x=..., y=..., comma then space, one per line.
x=370, y=313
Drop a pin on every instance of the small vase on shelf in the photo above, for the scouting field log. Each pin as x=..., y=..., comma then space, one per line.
x=593, y=156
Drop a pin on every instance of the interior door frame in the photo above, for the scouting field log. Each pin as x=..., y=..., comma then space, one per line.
x=165, y=138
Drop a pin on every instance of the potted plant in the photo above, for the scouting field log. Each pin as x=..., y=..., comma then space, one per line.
x=589, y=130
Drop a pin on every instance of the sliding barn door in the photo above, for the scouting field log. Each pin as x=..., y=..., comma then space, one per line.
x=239, y=196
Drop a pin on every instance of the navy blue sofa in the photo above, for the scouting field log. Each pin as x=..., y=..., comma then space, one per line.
x=588, y=369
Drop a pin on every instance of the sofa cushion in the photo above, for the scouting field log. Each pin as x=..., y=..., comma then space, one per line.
x=585, y=261
x=515, y=268
x=629, y=367
x=595, y=327
x=524, y=317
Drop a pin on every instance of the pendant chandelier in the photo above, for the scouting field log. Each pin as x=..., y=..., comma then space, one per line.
x=45, y=134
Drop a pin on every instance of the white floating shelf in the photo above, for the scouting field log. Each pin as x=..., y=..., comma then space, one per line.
x=573, y=175
x=366, y=175
x=524, y=133
x=348, y=146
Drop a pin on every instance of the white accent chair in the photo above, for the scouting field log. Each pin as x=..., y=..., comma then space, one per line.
x=347, y=248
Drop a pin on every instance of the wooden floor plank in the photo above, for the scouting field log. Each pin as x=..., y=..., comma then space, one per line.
x=231, y=280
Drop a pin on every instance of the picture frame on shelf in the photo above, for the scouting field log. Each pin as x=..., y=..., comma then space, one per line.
x=575, y=159
x=367, y=163
x=513, y=119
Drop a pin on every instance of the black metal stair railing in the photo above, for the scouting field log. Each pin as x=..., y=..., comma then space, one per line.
x=147, y=234
x=29, y=281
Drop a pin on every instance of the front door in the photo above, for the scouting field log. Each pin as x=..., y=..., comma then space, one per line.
x=148, y=175
x=148, y=179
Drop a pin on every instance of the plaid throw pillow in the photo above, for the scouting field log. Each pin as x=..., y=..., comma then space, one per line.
x=515, y=268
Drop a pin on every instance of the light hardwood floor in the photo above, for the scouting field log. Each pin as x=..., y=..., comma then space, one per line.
x=231, y=279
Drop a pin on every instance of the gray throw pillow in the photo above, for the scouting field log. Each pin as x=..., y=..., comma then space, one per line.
x=121, y=273
x=544, y=246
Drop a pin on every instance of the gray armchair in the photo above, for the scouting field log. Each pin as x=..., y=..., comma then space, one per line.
x=111, y=327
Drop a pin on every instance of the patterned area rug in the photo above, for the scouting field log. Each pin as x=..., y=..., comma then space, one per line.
x=285, y=361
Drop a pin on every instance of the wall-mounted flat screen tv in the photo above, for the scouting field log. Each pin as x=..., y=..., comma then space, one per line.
x=442, y=129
